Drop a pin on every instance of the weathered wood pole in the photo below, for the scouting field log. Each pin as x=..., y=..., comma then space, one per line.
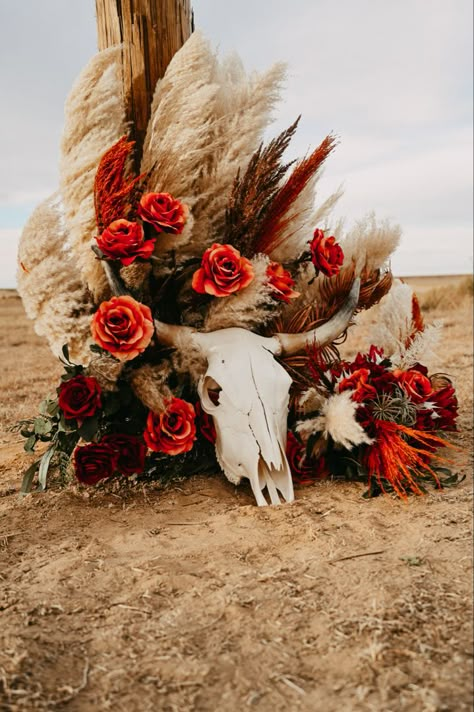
x=151, y=32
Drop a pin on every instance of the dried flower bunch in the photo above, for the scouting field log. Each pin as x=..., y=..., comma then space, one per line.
x=215, y=231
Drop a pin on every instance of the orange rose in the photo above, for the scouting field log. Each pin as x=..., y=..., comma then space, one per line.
x=163, y=212
x=174, y=431
x=281, y=283
x=326, y=255
x=123, y=327
x=416, y=385
x=125, y=241
x=223, y=271
x=358, y=382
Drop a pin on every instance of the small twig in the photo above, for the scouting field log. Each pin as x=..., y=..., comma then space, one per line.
x=356, y=556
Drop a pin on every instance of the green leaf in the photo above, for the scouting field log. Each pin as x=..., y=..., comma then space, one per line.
x=96, y=349
x=28, y=477
x=65, y=352
x=89, y=428
x=44, y=467
x=53, y=408
x=42, y=426
x=29, y=446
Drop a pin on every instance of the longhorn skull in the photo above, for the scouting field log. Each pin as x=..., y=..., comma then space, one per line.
x=246, y=391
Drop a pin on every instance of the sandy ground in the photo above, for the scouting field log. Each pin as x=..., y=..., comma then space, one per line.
x=192, y=598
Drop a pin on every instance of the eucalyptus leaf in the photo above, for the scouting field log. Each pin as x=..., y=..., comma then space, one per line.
x=44, y=467
x=42, y=426
x=29, y=446
x=28, y=477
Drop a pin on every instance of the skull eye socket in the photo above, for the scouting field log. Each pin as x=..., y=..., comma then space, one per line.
x=210, y=393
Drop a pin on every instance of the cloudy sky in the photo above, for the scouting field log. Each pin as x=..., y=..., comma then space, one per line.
x=392, y=79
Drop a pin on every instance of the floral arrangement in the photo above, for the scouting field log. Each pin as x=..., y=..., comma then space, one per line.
x=220, y=237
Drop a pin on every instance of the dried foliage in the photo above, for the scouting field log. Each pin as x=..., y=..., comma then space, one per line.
x=280, y=212
x=254, y=193
x=115, y=195
x=50, y=284
x=94, y=120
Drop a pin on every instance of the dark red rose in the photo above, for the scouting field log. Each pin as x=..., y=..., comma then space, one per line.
x=163, y=212
x=358, y=382
x=223, y=271
x=205, y=424
x=174, y=431
x=125, y=241
x=281, y=283
x=94, y=462
x=80, y=397
x=326, y=254
x=304, y=471
x=416, y=385
x=123, y=327
x=130, y=451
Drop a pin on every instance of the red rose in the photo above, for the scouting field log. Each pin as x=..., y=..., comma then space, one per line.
x=80, y=397
x=304, y=471
x=326, y=254
x=206, y=424
x=358, y=382
x=130, y=451
x=125, y=241
x=94, y=462
x=163, y=212
x=123, y=327
x=174, y=431
x=223, y=271
x=416, y=385
x=281, y=283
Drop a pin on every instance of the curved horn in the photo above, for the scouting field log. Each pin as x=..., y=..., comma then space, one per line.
x=295, y=343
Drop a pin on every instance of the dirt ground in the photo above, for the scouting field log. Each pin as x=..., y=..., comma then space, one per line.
x=192, y=598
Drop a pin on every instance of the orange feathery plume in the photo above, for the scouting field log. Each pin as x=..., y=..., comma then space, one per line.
x=278, y=214
x=114, y=195
x=400, y=453
x=417, y=321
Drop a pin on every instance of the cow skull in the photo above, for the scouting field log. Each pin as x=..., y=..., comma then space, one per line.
x=246, y=391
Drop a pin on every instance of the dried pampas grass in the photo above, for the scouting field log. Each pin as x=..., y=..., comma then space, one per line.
x=370, y=243
x=338, y=421
x=94, y=120
x=206, y=121
x=403, y=337
x=149, y=383
x=250, y=308
x=50, y=285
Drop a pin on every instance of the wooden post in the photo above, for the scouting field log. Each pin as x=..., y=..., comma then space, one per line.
x=151, y=31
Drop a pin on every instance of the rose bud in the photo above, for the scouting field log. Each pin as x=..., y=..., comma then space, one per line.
x=130, y=451
x=174, y=431
x=163, y=212
x=123, y=327
x=94, y=462
x=326, y=254
x=80, y=397
x=281, y=283
x=223, y=271
x=125, y=241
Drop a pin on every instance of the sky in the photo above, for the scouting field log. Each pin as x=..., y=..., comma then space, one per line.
x=392, y=79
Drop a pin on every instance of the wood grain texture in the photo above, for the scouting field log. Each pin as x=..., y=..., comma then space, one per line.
x=151, y=32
